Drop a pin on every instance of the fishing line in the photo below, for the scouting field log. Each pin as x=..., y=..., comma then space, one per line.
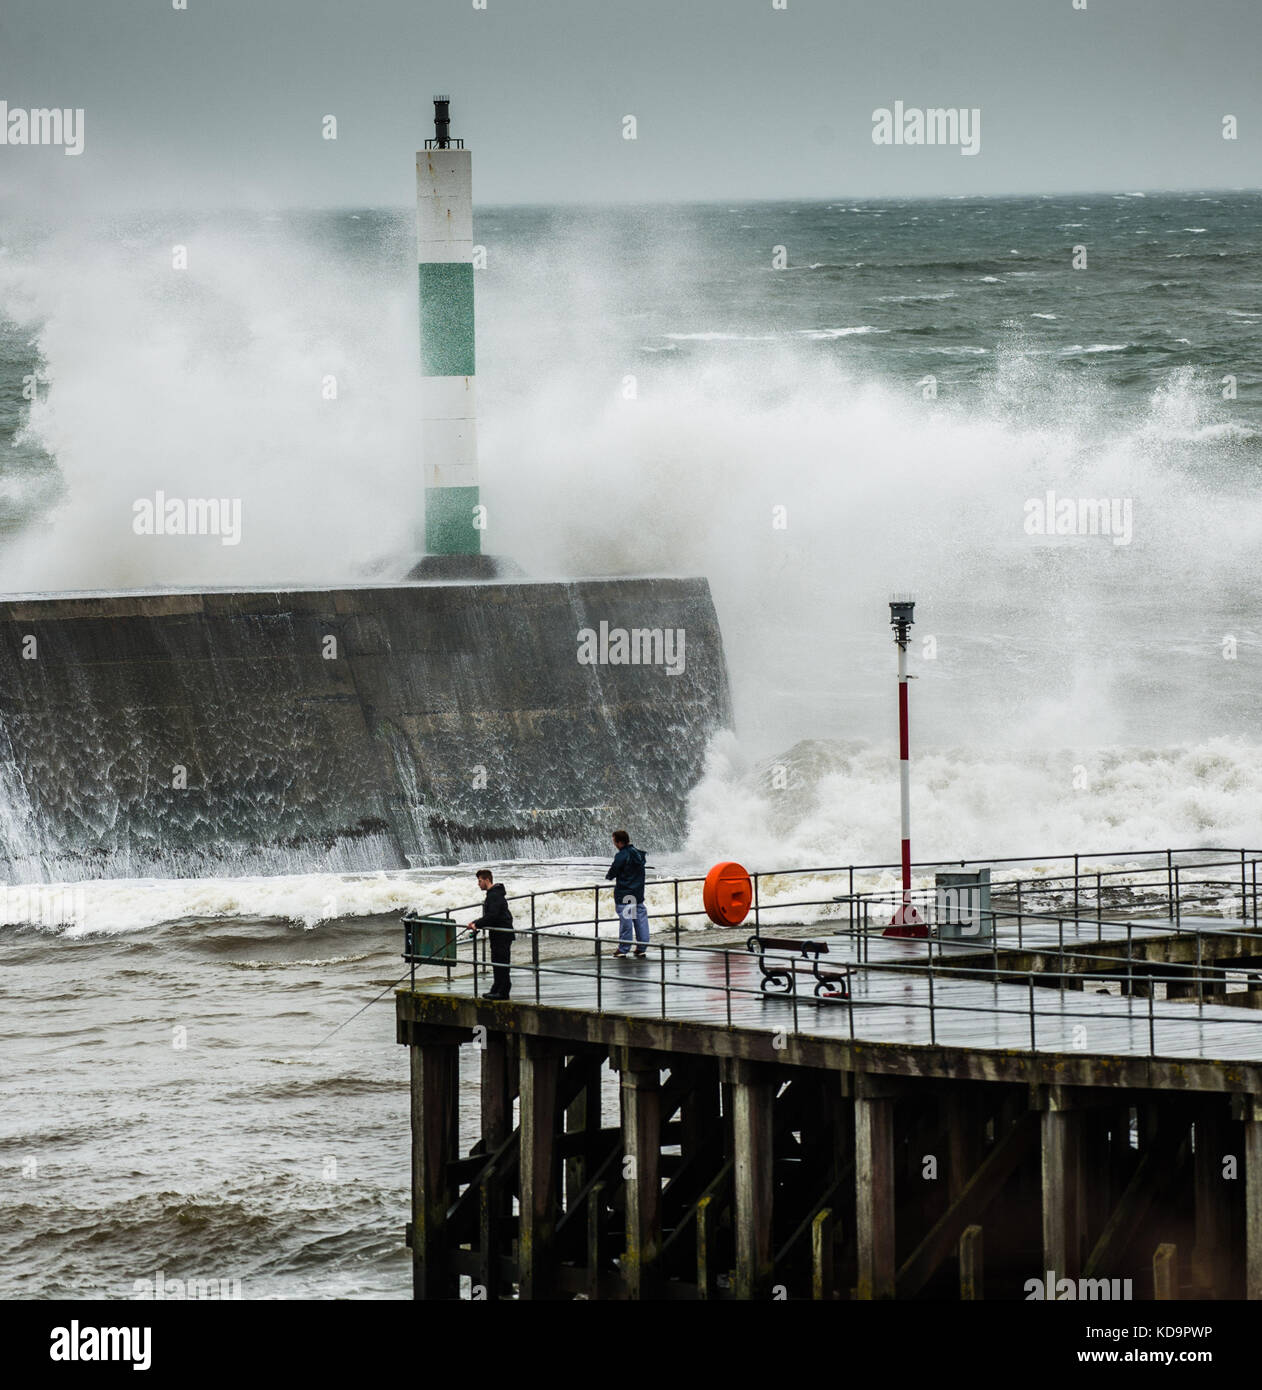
x=394, y=984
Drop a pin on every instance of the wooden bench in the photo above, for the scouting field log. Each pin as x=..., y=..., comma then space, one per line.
x=779, y=975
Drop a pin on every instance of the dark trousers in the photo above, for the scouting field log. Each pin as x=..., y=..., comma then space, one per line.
x=501, y=951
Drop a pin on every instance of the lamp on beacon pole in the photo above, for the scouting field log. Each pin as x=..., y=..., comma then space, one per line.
x=906, y=921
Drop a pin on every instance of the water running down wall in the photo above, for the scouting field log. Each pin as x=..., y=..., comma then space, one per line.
x=448, y=722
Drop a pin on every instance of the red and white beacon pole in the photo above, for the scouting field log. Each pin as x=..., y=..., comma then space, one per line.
x=906, y=921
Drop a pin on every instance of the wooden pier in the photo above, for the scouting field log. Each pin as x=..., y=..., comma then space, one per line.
x=937, y=1135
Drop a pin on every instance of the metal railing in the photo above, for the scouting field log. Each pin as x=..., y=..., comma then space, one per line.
x=1173, y=879
x=1058, y=939
x=790, y=1008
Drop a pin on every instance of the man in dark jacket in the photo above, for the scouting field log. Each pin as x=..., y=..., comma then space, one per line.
x=498, y=920
x=627, y=872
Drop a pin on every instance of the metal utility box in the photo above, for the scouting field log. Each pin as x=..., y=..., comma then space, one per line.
x=429, y=938
x=964, y=906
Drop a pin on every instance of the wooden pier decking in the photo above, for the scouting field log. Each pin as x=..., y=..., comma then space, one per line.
x=722, y=989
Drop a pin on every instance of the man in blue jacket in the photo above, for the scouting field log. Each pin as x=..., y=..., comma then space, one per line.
x=627, y=872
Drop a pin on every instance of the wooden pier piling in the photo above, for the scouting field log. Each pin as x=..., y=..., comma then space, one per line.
x=754, y=1161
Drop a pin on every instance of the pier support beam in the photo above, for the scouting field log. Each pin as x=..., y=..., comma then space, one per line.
x=823, y=1240
x=540, y=1070
x=1165, y=1273
x=982, y=1189
x=1096, y=1159
x=963, y=1122
x=1253, y=1195
x=874, y=1189
x=1212, y=1191
x=582, y=1116
x=495, y=1204
x=434, y=1140
x=699, y=1112
x=810, y=1177
x=497, y=1091
x=641, y=1079
x=752, y=1088
x=972, y=1277
x=1064, y=1232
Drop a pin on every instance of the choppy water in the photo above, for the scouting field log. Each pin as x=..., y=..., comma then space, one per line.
x=652, y=391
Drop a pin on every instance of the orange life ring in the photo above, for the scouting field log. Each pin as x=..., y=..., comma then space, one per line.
x=728, y=894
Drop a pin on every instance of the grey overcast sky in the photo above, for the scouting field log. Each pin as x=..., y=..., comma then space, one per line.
x=222, y=104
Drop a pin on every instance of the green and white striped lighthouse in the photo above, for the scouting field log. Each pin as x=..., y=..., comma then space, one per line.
x=444, y=253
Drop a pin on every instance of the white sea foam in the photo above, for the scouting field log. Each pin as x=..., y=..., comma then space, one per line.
x=829, y=802
x=111, y=906
x=715, y=337
x=825, y=333
x=209, y=382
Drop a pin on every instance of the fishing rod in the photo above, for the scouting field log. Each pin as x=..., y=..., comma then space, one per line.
x=464, y=931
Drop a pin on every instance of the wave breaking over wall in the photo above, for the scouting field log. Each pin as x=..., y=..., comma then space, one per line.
x=221, y=733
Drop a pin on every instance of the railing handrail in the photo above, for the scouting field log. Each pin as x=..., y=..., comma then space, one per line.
x=1238, y=855
x=1151, y=973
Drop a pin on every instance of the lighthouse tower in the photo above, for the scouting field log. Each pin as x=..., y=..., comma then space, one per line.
x=444, y=252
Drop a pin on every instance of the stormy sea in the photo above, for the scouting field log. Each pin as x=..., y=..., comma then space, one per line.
x=1040, y=415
